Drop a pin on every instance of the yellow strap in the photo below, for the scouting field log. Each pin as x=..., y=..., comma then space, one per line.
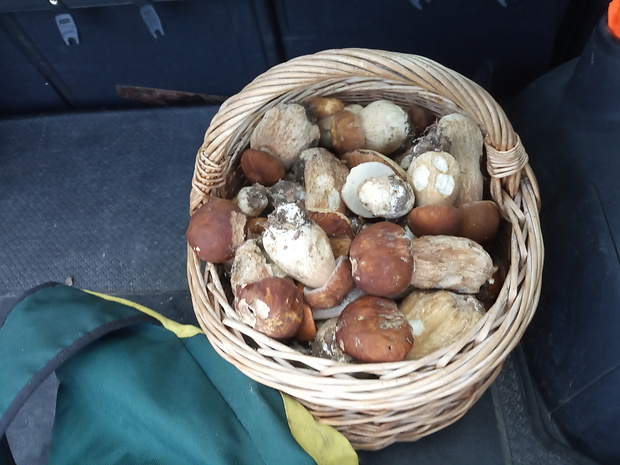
x=177, y=328
x=324, y=444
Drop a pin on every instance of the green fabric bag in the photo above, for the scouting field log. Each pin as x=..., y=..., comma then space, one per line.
x=136, y=388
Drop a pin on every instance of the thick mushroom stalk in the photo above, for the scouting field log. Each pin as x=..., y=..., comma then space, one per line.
x=466, y=146
x=299, y=246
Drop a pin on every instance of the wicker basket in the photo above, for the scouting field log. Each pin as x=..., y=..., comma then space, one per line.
x=374, y=405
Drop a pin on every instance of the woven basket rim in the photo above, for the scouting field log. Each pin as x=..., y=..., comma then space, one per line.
x=461, y=371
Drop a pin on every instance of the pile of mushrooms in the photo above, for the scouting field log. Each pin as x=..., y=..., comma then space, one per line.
x=361, y=235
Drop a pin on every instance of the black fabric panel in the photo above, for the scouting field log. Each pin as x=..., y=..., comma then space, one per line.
x=214, y=47
x=502, y=44
x=23, y=88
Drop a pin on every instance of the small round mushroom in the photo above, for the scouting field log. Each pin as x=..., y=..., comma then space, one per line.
x=356, y=177
x=261, y=167
x=435, y=178
x=385, y=126
x=387, y=196
x=216, y=229
x=373, y=329
x=480, y=221
x=252, y=200
x=325, y=108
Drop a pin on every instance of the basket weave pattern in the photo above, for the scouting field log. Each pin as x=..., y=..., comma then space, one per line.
x=374, y=405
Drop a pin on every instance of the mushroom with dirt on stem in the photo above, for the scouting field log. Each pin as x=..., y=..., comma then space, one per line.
x=298, y=245
x=356, y=177
x=324, y=176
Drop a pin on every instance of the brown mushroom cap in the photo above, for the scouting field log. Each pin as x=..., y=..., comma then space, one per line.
x=334, y=224
x=273, y=306
x=373, y=329
x=216, y=229
x=480, y=220
x=339, y=284
x=434, y=220
x=261, y=167
x=346, y=132
x=381, y=260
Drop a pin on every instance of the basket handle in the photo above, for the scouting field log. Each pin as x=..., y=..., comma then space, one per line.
x=506, y=157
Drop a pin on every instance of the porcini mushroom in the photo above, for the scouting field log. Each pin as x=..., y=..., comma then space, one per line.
x=373, y=329
x=324, y=176
x=439, y=318
x=216, y=229
x=385, y=126
x=356, y=177
x=450, y=262
x=339, y=284
x=381, y=261
x=261, y=167
x=346, y=132
x=434, y=177
x=298, y=245
x=273, y=306
x=252, y=200
x=466, y=146
x=284, y=131
x=386, y=196
x=249, y=265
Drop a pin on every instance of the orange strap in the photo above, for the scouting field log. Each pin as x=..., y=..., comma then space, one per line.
x=613, y=18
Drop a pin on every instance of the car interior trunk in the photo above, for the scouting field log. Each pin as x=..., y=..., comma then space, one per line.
x=102, y=111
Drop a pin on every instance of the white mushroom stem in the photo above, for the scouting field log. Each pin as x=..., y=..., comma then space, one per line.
x=324, y=176
x=299, y=246
x=466, y=146
x=387, y=196
x=356, y=177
